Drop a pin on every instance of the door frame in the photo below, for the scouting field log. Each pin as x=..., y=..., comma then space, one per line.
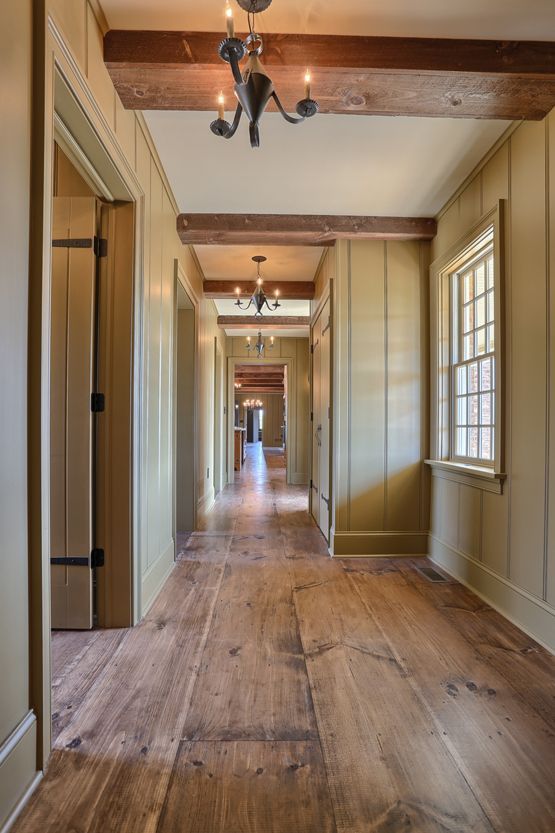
x=64, y=95
x=290, y=363
x=181, y=278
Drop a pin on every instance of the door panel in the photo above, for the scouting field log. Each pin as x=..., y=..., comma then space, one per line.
x=325, y=340
x=321, y=346
x=316, y=423
x=73, y=325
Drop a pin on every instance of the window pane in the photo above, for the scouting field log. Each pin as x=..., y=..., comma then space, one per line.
x=468, y=347
x=485, y=409
x=461, y=410
x=461, y=380
x=490, y=272
x=468, y=318
x=491, y=306
x=480, y=278
x=480, y=342
x=485, y=374
x=473, y=377
x=473, y=410
x=468, y=287
x=490, y=347
x=461, y=442
x=472, y=442
x=481, y=312
x=485, y=444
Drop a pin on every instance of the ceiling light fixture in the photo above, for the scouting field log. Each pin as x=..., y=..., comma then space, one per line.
x=258, y=298
x=260, y=345
x=253, y=87
x=253, y=404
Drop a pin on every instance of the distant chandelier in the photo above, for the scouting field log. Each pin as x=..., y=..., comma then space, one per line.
x=253, y=404
x=258, y=298
x=253, y=88
x=260, y=345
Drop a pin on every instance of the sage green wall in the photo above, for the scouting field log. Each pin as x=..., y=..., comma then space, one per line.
x=17, y=721
x=380, y=315
x=504, y=545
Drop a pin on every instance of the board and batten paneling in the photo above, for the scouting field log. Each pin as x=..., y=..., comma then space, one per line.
x=380, y=398
x=18, y=763
x=503, y=545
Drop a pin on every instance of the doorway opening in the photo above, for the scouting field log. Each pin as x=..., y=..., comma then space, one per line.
x=91, y=350
x=260, y=408
x=185, y=515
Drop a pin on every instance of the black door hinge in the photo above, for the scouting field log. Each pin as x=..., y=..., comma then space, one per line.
x=97, y=558
x=98, y=403
x=312, y=416
x=100, y=247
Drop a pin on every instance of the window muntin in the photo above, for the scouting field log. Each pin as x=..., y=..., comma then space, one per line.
x=473, y=355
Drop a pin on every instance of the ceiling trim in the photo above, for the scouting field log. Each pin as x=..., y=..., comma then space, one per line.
x=298, y=229
x=434, y=77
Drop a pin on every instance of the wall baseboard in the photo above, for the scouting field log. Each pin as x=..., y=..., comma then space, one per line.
x=531, y=615
x=377, y=544
x=155, y=577
x=18, y=773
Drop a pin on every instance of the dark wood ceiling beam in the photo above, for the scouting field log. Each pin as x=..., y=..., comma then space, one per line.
x=247, y=322
x=368, y=75
x=288, y=290
x=297, y=229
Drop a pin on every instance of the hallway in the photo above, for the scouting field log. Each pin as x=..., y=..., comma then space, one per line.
x=271, y=688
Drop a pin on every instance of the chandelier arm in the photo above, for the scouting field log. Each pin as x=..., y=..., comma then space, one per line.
x=284, y=113
x=236, y=69
x=235, y=123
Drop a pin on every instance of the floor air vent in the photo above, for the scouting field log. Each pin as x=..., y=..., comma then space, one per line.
x=431, y=574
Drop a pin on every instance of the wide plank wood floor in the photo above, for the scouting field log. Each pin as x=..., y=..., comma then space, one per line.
x=271, y=689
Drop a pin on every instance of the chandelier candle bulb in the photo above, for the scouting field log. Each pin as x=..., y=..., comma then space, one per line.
x=229, y=20
x=307, y=80
x=221, y=106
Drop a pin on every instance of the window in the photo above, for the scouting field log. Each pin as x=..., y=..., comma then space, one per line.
x=473, y=358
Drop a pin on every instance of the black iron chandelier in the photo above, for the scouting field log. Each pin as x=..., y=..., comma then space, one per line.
x=258, y=299
x=260, y=345
x=253, y=87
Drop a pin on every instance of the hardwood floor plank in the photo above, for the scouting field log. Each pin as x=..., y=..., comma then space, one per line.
x=248, y=787
x=504, y=749
x=111, y=766
x=252, y=684
x=388, y=767
x=525, y=665
x=74, y=675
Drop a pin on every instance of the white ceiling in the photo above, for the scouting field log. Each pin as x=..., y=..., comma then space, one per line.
x=333, y=164
x=285, y=263
x=499, y=19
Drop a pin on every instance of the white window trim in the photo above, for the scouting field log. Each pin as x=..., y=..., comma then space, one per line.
x=441, y=271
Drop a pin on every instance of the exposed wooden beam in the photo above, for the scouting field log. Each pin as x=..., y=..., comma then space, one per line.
x=288, y=290
x=369, y=75
x=298, y=229
x=247, y=322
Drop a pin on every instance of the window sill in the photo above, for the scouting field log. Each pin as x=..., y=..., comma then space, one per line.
x=479, y=477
